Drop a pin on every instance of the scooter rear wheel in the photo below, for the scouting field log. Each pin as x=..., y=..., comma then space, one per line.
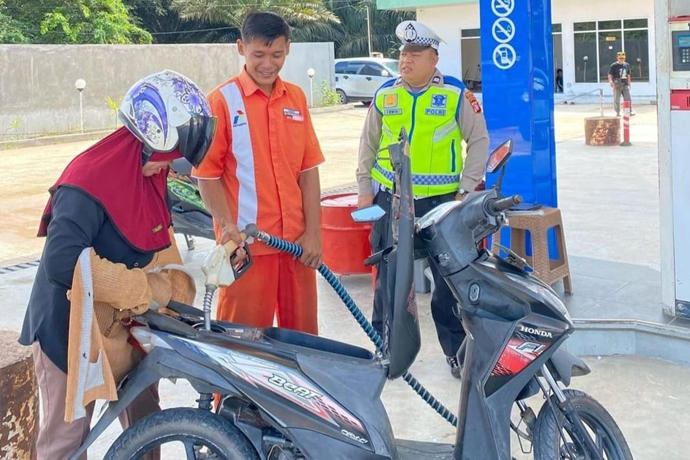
x=549, y=445
x=191, y=433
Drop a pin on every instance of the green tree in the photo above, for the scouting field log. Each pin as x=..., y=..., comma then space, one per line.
x=232, y=12
x=166, y=26
x=11, y=30
x=80, y=21
x=353, y=27
x=350, y=34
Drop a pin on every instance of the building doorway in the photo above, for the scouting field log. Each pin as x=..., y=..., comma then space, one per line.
x=557, y=34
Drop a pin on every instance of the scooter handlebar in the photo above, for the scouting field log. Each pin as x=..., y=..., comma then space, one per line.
x=495, y=207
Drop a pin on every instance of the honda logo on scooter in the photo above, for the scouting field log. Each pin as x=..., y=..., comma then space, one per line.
x=535, y=331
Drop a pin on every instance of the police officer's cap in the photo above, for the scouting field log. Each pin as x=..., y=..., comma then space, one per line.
x=413, y=33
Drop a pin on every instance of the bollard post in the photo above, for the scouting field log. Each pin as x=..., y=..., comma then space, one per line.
x=626, y=124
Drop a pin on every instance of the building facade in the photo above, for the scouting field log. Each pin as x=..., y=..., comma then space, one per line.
x=586, y=36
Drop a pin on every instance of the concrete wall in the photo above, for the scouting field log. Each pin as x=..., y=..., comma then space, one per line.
x=37, y=94
x=318, y=56
x=447, y=21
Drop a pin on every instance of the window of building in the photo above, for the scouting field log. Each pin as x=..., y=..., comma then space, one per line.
x=470, y=49
x=596, y=45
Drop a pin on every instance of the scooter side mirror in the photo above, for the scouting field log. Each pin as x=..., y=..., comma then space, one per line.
x=499, y=156
x=369, y=214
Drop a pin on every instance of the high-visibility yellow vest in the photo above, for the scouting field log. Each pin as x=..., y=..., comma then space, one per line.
x=430, y=119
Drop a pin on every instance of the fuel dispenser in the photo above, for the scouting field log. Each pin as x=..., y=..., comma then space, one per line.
x=679, y=134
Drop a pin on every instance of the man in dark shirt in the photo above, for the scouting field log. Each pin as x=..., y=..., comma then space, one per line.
x=620, y=80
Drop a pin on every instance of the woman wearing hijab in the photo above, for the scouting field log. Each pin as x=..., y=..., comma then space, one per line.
x=112, y=199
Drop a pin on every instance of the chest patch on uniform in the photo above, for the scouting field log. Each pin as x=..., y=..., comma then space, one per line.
x=239, y=119
x=439, y=100
x=469, y=95
x=437, y=112
x=390, y=100
x=393, y=111
x=293, y=114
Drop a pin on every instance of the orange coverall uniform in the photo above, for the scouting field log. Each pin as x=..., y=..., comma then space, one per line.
x=261, y=146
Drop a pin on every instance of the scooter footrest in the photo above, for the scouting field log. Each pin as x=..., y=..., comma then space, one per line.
x=408, y=450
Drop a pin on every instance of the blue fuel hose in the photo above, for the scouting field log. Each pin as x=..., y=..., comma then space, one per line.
x=374, y=336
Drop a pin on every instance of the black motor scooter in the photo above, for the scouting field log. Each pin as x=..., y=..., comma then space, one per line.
x=290, y=395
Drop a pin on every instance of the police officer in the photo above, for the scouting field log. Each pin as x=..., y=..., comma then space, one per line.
x=438, y=113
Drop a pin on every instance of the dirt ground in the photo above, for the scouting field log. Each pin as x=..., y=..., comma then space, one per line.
x=27, y=174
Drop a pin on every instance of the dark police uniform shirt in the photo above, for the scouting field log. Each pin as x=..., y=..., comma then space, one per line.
x=619, y=72
x=78, y=222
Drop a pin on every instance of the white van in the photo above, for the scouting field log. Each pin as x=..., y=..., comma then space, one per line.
x=357, y=79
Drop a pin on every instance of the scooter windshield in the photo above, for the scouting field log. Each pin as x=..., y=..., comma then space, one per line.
x=403, y=334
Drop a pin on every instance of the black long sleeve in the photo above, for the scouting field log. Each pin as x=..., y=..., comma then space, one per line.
x=76, y=222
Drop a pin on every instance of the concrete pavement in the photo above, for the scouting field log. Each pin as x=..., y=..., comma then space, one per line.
x=609, y=199
x=647, y=397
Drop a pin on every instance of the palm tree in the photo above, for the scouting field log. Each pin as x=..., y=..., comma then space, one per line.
x=166, y=26
x=232, y=12
x=350, y=35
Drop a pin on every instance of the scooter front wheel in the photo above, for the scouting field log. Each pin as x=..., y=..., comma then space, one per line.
x=608, y=438
x=183, y=433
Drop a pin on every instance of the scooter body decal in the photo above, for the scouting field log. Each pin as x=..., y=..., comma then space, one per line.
x=526, y=344
x=280, y=380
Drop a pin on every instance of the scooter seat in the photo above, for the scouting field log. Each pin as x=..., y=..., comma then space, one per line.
x=314, y=342
x=165, y=323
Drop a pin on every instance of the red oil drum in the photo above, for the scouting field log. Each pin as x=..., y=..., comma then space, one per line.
x=345, y=242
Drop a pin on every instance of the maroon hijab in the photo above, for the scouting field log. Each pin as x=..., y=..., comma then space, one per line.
x=110, y=172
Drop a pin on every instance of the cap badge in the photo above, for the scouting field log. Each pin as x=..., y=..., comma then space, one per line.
x=410, y=33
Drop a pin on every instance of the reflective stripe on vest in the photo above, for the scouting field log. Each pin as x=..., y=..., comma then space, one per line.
x=242, y=151
x=430, y=119
x=422, y=179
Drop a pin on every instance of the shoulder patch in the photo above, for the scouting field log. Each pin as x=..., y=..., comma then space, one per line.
x=469, y=95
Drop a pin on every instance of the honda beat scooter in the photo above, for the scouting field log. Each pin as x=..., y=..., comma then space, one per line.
x=289, y=395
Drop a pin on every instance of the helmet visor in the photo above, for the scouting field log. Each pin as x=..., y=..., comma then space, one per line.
x=195, y=138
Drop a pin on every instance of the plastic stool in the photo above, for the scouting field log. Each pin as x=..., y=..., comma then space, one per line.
x=538, y=222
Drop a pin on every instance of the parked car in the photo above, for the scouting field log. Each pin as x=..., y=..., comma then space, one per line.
x=357, y=79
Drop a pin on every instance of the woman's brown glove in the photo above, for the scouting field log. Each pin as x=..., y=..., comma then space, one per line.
x=160, y=293
x=161, y=289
